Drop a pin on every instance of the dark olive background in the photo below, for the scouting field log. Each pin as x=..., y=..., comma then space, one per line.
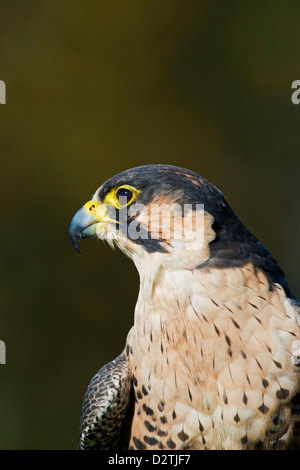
x=94, y=88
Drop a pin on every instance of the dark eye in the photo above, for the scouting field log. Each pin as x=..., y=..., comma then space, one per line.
x=124, y=196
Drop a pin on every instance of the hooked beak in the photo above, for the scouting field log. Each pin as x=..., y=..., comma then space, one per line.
x=83, y=225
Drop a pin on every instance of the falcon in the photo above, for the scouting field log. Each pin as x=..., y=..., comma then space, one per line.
x=213, y=358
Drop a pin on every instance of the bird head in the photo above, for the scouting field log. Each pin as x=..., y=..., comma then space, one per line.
x=160, y=215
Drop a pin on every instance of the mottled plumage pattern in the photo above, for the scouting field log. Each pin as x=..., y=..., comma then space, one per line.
x=220, y=376
x=106, y=407
x=211, y=361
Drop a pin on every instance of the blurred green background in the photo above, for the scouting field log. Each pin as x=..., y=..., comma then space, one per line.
x=94, y=88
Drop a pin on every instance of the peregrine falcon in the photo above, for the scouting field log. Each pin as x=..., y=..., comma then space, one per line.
x=213, y=358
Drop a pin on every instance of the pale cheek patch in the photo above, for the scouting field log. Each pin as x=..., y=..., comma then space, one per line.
x=185, y=235
x=170, y=222
x=182, y=233
x=193, y=249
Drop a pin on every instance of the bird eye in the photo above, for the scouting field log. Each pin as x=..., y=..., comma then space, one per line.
x=124, y=196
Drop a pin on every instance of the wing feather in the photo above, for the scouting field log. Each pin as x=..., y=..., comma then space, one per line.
x=105, y=415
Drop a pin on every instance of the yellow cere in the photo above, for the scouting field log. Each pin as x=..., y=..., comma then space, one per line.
x=99, y=210
x=91, y=207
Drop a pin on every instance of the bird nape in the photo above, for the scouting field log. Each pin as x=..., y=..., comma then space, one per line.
x=212, y=360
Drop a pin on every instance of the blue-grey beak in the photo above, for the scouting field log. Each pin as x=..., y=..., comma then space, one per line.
x=82, y=226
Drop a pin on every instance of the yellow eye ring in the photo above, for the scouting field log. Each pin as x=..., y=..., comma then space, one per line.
x=121, y=194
